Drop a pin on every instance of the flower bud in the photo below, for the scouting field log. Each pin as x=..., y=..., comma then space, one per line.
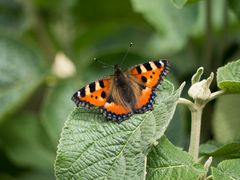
x=200, y=91
x=63, y=67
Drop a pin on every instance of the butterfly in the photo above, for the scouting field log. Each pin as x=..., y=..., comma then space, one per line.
x=124, y=93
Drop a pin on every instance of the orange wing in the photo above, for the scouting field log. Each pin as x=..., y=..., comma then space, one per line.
x=94, y=94
x=143, y=101
x=116, y=112
x=97, y=94
x=144, y=77
x=150, y=73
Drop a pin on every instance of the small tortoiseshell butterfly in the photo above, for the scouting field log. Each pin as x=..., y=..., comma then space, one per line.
x=126, y=92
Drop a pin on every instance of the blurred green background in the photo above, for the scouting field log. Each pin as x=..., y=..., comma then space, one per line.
x=47, y=50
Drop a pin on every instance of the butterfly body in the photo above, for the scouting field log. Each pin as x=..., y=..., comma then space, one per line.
x=126, y=92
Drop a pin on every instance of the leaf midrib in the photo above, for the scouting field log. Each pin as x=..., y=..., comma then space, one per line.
x=105, y=177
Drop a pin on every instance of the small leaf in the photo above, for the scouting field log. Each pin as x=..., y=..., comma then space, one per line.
x=227, y=170
x=21, y=72
x=228, y=77
x=92, y=147
x=197, y=76
x=182, y=3
x=231, y=150
x=165, y=161
x=226, y=119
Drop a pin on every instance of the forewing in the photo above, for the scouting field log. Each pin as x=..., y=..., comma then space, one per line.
x=94, y=94
x=150, y=73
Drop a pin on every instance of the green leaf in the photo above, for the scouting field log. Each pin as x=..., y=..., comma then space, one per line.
x=182, y=3
x=228, y=77
x=173, y=25
x=165, y=161
x=21, y=72
x=197, y=76
x=92, y=147
x=227, y=170
x=231, y=150
x=226, y=119
x=56, y=108
x=234, y=5
x=25, y=142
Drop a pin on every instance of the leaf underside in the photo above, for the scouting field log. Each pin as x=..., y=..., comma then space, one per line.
x=226, y=119
x=227, y=170
x=228, y=77
x=231, y=150
x=165, y=161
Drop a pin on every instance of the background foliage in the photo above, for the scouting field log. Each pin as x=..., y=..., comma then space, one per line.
x=35, y=101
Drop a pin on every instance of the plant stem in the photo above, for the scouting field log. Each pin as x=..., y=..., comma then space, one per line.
x=216, y=94
x=196, y=117
x=210, y=177
x=207, y=165
x=196, y=109
x=145, y=168
x=196, y=114
x=186, y=102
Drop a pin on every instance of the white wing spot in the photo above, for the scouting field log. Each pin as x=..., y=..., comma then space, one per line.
x=87, y=90
x=162, y=64
x=97, y=85
x=153, y=66
x=143, y=69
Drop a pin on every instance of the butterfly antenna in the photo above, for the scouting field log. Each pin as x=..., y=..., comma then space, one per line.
x=125, y=55
x=103, y=63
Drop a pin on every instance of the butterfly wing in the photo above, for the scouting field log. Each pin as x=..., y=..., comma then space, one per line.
x=105, y=94
x=99, y=94
x=150, y=75
x=116, y=112
x=94, y=94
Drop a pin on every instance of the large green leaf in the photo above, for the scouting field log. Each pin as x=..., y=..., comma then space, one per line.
x=227, y=170
x=226, y=119
x=25, y=142
x=173, y=25
x=92, y=147
x=165, y=161
x=231, y=150
x=21, y=72
x=56, y=108
x=228, y=77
